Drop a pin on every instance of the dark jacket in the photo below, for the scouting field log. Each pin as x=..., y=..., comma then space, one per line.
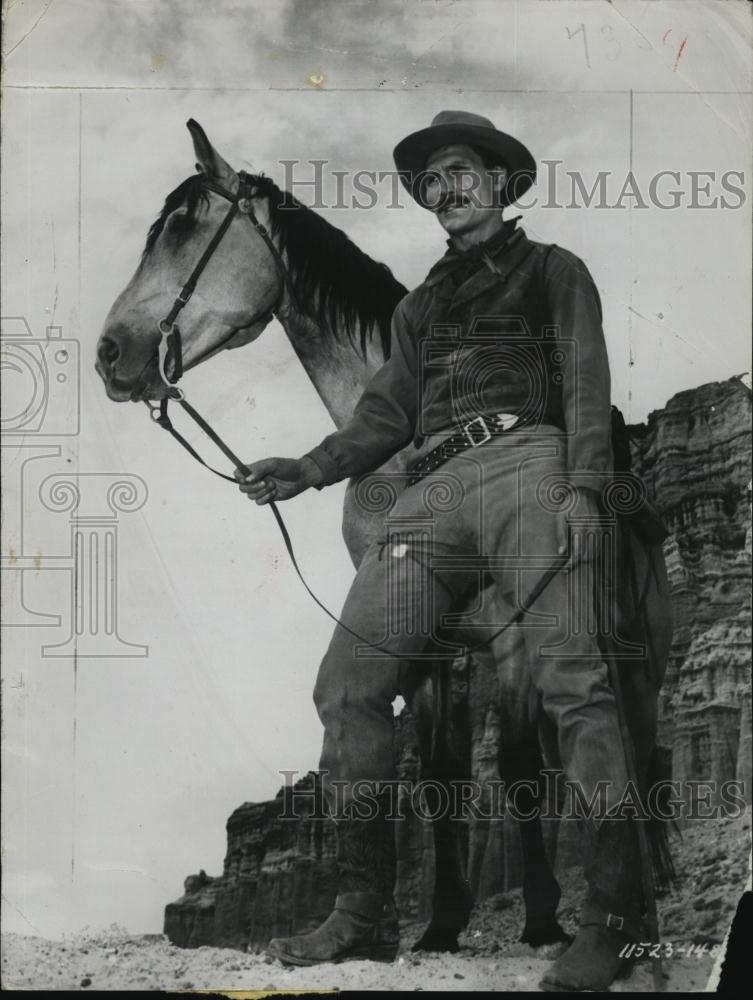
x=513, y=326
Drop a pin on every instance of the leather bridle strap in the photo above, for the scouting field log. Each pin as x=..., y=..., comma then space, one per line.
x=160, y=416
x=190, y=286
x=170, y=345
x=243, y=201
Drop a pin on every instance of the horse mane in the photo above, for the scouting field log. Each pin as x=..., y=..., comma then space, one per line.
x=340, y=284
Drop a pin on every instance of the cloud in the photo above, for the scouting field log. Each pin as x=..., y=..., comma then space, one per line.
x=263, y=45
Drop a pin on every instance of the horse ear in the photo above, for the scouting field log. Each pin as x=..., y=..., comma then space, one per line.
x=209, y=160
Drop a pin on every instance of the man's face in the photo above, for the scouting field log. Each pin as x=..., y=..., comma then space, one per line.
x=462, y=192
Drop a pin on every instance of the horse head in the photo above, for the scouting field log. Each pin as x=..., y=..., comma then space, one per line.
x=235, y=296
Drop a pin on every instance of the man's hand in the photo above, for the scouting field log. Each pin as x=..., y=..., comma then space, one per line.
x=278, y=478
x=580, y=545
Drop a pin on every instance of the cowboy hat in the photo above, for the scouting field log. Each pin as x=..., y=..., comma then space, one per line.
x=454, y=127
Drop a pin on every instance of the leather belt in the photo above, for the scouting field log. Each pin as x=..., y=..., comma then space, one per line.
x=472, y=434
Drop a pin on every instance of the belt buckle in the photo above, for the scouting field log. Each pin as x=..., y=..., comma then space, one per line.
x=482, y=423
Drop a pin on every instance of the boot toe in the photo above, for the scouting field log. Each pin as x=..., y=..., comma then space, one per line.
x=342, y=936
x=591, y=963
x=280, y=948
x=275, y=946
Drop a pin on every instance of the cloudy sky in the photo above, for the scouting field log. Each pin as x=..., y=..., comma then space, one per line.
x=120, y=772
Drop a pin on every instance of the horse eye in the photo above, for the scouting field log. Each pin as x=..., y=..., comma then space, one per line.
x=179, y=223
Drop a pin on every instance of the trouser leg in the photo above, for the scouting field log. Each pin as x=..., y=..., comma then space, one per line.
x=396, y=602
x=568, y=670
x=560, y=633
x=354, y=695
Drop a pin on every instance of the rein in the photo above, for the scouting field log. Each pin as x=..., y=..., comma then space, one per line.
x=160, y=416
x=170, y=351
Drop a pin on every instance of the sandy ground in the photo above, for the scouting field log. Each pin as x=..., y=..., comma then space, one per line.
x=697, y=911
x=143, y=963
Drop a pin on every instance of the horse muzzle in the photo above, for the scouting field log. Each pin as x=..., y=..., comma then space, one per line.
x=146, y=385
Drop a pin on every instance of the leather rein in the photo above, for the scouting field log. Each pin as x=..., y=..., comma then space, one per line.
x=170, y=352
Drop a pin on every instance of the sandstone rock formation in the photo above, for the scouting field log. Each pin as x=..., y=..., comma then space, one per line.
x=695, y=458
x=694, y=455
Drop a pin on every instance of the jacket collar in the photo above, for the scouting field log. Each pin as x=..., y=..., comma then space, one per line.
x=481, y=253
x=494, y=260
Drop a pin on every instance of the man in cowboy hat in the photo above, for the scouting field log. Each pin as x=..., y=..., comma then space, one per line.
x=499, y=377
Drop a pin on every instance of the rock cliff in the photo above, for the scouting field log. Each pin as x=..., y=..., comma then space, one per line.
x=695, y=458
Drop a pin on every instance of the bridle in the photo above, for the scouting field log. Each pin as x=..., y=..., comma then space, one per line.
x=170, y=347
x=170, y=351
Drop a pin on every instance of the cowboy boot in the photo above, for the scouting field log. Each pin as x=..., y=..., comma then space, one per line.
x=363, y=924
x=611, y=915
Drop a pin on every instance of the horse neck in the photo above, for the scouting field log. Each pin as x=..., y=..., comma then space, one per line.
x=334, y=364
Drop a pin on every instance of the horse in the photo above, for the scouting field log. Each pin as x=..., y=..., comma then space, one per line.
x=335, y=303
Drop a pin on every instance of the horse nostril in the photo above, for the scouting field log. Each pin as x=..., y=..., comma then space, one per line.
x=108, y=352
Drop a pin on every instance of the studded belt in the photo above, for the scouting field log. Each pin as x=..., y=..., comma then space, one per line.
x=476, y=432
